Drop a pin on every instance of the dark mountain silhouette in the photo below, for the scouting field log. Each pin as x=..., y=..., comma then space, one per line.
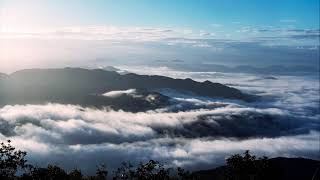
x=287, y=168
x=85, y=87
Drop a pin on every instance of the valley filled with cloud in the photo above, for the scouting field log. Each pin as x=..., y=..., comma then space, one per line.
x=195, y=132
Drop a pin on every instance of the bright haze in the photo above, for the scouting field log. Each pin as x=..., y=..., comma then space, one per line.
x=80, y=33
x=263, y=54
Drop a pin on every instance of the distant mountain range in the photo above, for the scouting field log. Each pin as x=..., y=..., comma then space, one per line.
x=86, y=87
x=274, y=70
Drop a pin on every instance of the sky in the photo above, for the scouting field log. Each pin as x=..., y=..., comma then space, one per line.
x=189, y=30
x=194, y=14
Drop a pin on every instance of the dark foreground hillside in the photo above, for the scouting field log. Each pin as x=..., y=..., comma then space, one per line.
x=13, y=165
x=283, y=168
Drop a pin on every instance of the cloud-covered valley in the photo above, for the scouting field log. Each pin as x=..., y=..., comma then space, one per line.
x=76, y=125
x=195, y=132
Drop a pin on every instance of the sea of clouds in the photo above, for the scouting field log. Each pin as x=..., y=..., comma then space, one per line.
x=194, y=132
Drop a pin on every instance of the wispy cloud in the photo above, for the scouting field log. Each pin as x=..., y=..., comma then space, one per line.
x=214, y=25
x=288, y=21
x=151, y=34
x=105, y=33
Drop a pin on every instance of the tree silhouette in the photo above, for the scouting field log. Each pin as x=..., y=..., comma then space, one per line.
x=101, y=173
x=248, y=167
x=238, y=167
x=75, y=174
x=152, y=170
x=11, y=160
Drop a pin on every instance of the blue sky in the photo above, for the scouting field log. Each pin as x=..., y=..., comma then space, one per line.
x=191, y=13
x=218, y=31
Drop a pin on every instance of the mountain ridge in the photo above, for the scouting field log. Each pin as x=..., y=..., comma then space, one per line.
x=83, y=86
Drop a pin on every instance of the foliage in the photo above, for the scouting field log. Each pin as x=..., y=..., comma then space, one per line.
x=249, y=167
x=239, y=167
x=151, y=170
x=11, y=160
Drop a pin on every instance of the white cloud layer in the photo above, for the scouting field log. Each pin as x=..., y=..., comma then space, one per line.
x=200, y=138
x=119, y=93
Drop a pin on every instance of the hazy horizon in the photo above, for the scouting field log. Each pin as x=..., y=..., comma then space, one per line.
x=42, y=34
